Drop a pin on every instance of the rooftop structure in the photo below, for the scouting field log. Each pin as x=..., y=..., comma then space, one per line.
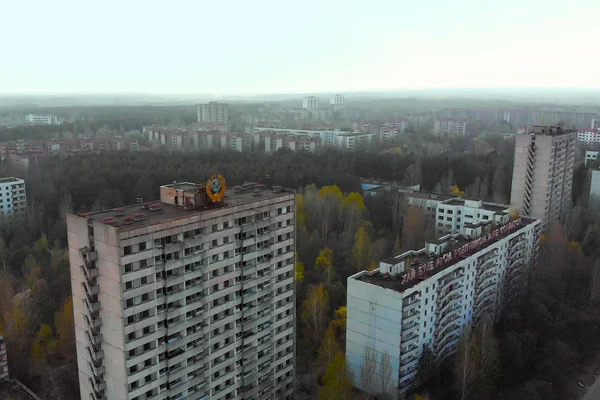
x=191, y=296
x=424, y=298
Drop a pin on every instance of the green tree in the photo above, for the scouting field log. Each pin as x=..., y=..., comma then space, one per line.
x=324, y=262
x=337, y=381
x=329, y=347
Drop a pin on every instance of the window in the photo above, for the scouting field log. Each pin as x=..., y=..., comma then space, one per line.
x=142, y=246
x=127, y=250
x=143, y=280
x=128, y=267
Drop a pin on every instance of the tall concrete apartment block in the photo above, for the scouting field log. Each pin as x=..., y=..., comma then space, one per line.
x=3, y=361
x=424, y=298
x=186, y=297
x=310, y=103
x=213, y=112
x=543, y=172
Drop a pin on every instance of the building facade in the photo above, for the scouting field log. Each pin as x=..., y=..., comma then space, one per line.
x=425, y=298
x=336, y=101
x=453, y=215
x=214, y=113
x=328, y=137
x=3, y=360
x=38, y=119
x=353, y=141
x=591, y=156
x=187, y=297
x=450, y=127
x=543, y=172
x=12, y=196
x=588, y=136
x=595, y=187
x=595, y=123
x=310, y=103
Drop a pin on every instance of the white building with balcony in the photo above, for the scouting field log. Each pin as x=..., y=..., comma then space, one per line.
x=186, y=298
x=425, y=297
x=13, y=200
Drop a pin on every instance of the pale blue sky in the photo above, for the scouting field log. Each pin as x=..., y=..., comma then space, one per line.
x=246, y=47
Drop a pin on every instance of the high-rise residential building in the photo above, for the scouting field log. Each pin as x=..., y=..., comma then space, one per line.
x=450, y=127
x=190, y=297
x=214, y=113
x=12, y=196
x=424, y=298
x=596, y=123
x=38, y=119
x=336, y=101
x=543, y=172
x=310, y=103
x=3, y=360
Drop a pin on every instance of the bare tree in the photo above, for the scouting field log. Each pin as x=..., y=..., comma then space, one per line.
x=487, y=354
x=465, y=367
x=367, y=371
x=385, y=377
x=314, y=311
x=415, y=229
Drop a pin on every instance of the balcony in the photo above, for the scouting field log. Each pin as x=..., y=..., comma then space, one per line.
x=91, y=290
x=449, y=318
x=407, y=318
x=97, y=385
x=449, y=283
x=93, y=324
x=453, y=291
x=410, y=353
x=407, y=329
x=409, y=306
x=89, y=272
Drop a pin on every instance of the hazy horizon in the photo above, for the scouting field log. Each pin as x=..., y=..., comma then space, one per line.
x=65, y=47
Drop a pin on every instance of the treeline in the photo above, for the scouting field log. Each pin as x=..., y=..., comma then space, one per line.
x=36, y=318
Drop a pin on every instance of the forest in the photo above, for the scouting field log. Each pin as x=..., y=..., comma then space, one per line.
x=535, y=349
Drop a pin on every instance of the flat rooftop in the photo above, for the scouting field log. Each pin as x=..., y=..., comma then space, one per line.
x=13, y=391
x=9, y=179
x=168, y=212
x=499, y=208
x=432, y=196
x=420, y=257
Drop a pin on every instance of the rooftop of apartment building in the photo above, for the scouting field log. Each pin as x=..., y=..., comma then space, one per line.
x=192, y=199
x=459, y=201
x=15, y=390
x=433, y=196
x=10, y=179
x=549, y=130
x=424, y=263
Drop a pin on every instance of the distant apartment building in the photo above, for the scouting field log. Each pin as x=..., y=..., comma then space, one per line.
x=453, y=215
x=3, y=360
x=271, y=142
x=588, y=136
x=336, y=101
x=595, y=186
x=374, y=188
x=386, y=129
x=353, y=141
x=209, y=127
x=543, y=172
x=190, y=297
x=595, y=123
x=213, y=112
x=327, y=137
x=39, y=119
x=591, y=156
x=12, y=196
x=450, y=127
x=310, y=103
x=424, y=298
